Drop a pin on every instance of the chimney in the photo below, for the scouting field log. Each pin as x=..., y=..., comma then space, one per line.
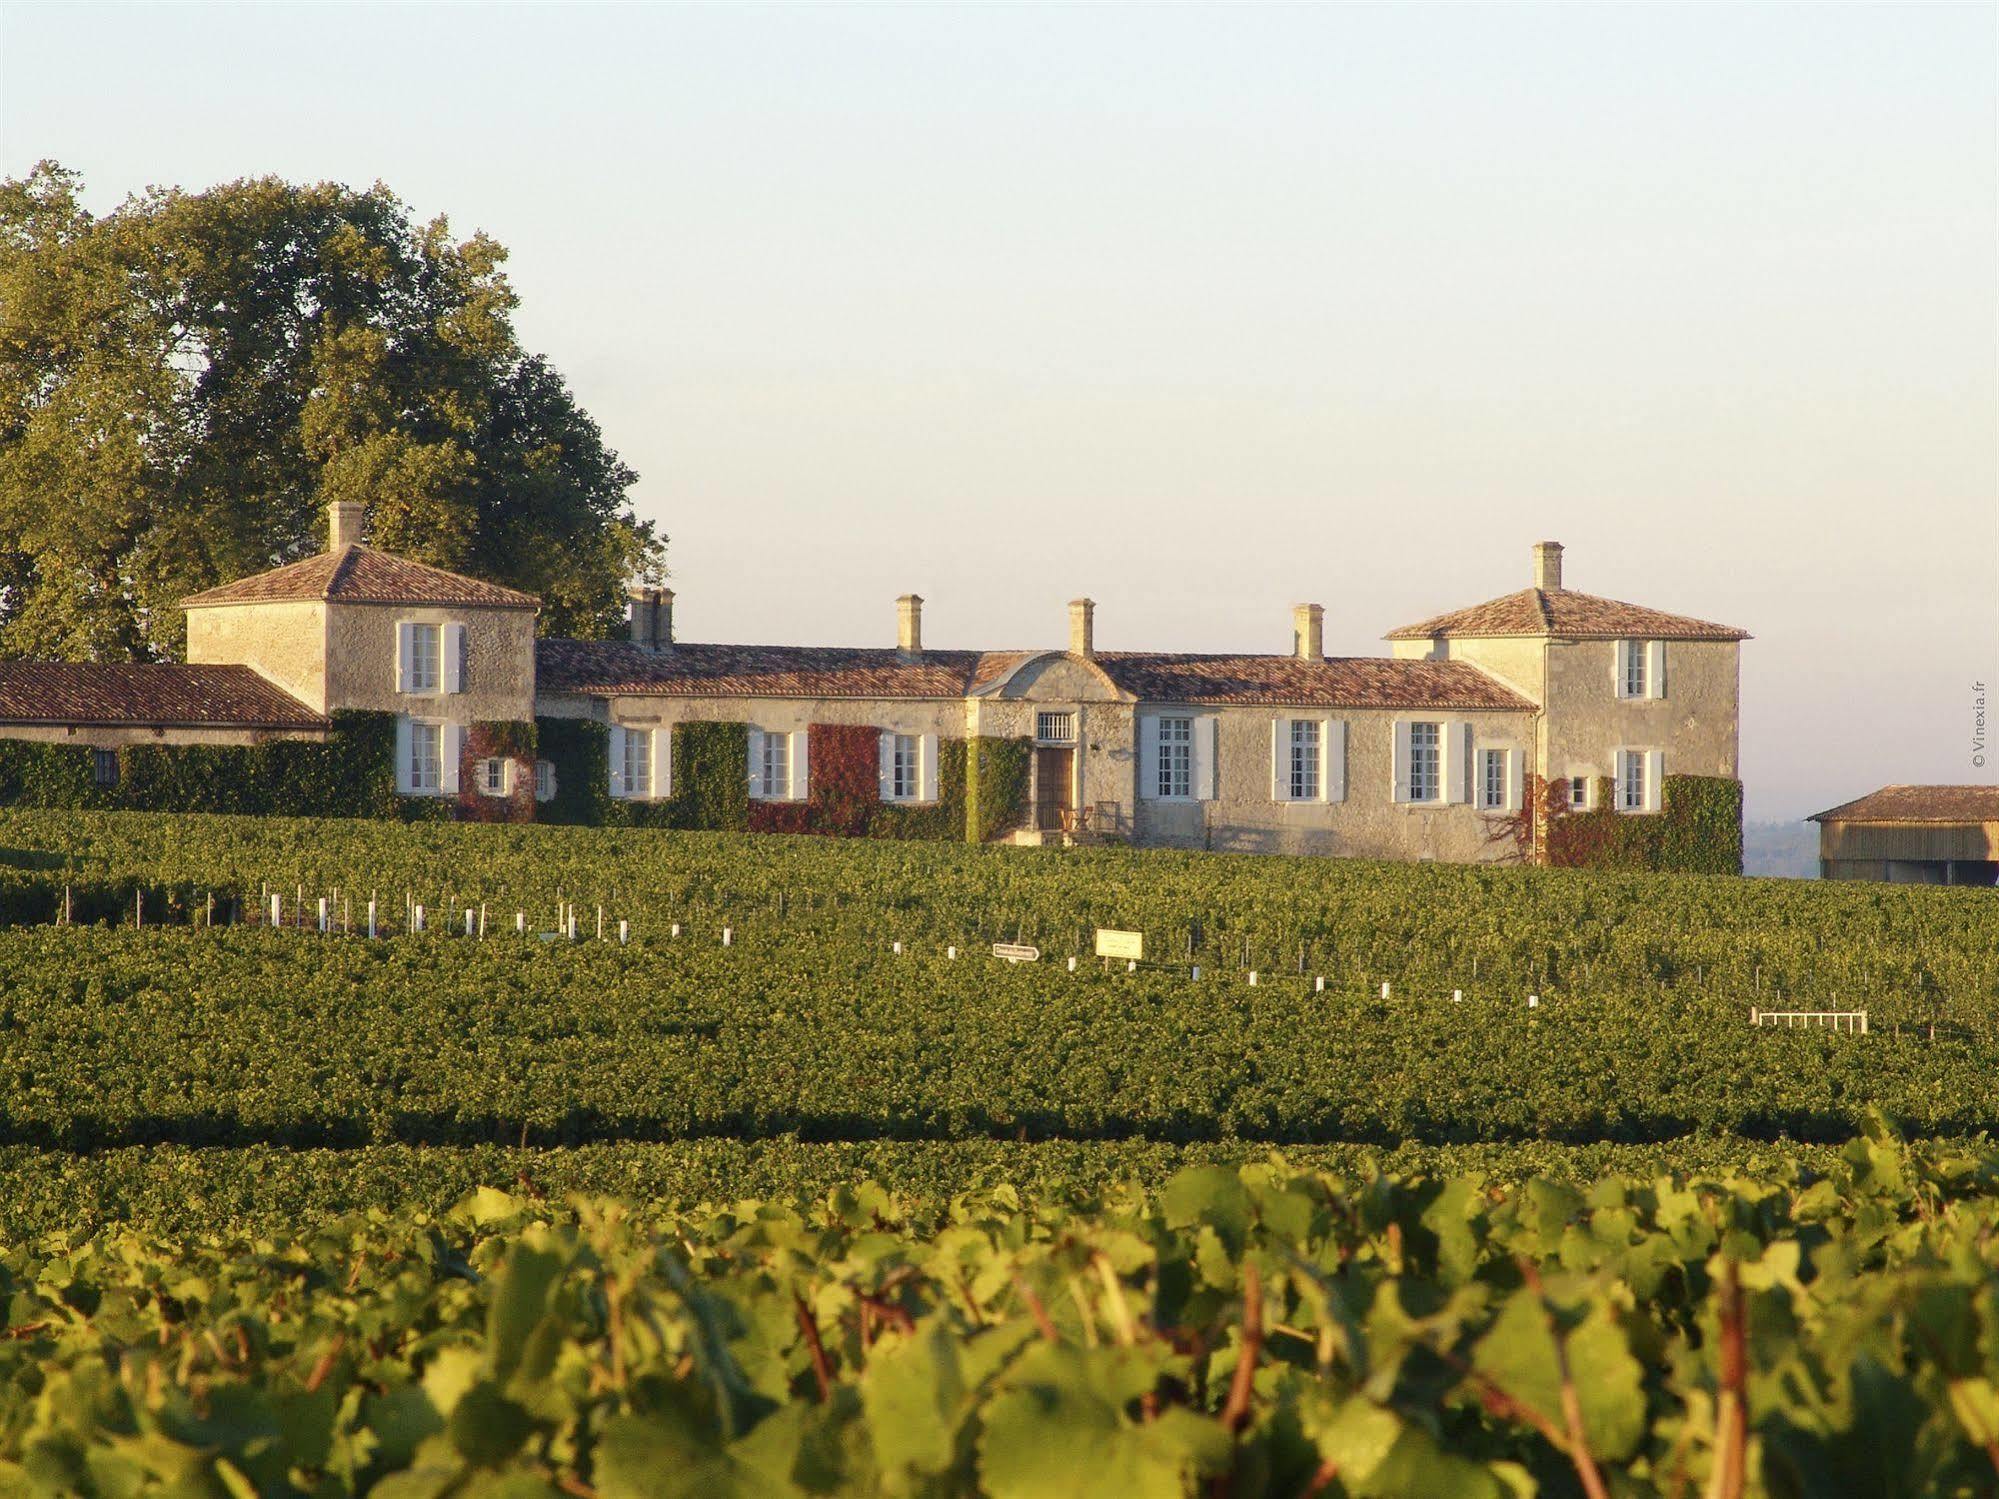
x=344, y=519
x=1082, y=628
x=1308, y=632
x=1548, y=566
x=652, y=618
x=909, y=625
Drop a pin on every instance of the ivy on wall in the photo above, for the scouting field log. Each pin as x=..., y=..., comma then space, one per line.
x=1698, y=829
x=498, y=739
x=843, y=797
x=999, y=770
x=352, y=774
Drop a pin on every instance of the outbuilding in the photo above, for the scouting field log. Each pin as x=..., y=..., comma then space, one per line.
x=1913, y=835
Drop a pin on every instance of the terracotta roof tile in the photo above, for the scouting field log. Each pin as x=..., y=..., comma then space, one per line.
x=1333, y=682
x=1919, y=804
x=1567, y=615
x=363, y=575
x=616, y=668
x=114, y=693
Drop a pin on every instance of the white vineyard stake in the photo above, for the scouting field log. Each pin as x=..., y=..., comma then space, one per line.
x=728, y=935
x=416, y=918
x=1533, y=1001
x=1252, y=978
x=322, y=916
x=371, y=916
x=277, y=910
x=1319, y=984
x=1384, y=991
x=624, y=933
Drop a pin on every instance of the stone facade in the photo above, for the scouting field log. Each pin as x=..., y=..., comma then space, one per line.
x=1432, y=752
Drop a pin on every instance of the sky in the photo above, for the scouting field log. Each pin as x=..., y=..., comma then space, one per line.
x=1205, y=311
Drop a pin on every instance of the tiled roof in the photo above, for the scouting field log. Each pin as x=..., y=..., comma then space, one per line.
x=1569, y=615
x=612, y=667
x=115, y=693
x=615, y=668
x=363, y=575
x=1334, y=682
x=1919, y=804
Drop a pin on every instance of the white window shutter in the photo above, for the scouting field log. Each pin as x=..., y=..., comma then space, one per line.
x=1398, y=789
x=1655, y=780
x=885, y=764
x=1206, y=731
x=756, y=764
x=662, y=760
x=801, y=776
x=403, y=751
x=1655, y=668
x=452, y=644
x=405, y=656
x=1148, y=759
x=1516, y=780
x=1333, y=773
x=1280, y=759
x=617, y=760
x=926, y=780
x=452, y=747
x=1450, y=761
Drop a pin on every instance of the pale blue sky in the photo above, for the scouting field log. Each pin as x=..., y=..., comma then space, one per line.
x=1205, y=311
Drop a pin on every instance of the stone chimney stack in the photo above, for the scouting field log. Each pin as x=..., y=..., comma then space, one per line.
x=344, y=519
x=1082, y=628
x=1548, y=566
x=1308, y=632
x=652, y=618
x=909, y=625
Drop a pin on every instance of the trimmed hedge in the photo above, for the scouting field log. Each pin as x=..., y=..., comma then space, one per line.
x=352, y=774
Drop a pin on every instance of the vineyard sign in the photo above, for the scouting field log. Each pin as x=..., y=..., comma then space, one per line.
x=1016, y=952
x=1112, y=943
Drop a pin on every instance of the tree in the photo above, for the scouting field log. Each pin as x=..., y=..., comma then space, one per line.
x=187, y=381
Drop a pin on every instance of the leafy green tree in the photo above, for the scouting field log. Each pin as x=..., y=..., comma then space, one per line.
x=187, y=381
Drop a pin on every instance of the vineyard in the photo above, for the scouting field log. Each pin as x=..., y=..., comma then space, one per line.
x=1253, y=1332
x=1365, y=1180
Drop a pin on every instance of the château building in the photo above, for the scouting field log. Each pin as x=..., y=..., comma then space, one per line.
x=1479, y=734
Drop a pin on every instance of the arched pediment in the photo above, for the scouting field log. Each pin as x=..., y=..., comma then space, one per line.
x=1057, y=677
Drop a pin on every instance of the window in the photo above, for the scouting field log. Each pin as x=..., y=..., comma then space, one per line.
x=544, y=780
x=636, y=745
x=776, y=768
x=492, y=776
x=1055, y=728
x=905, y=767
x=104, y=767
x=1304, y=759
x=1176, y=758
x=1634, y=668
x=426, y=767
x=1634, y=791
x=1493, y=788
x=1579, y=792
x=1426, y=762
x=426, y=657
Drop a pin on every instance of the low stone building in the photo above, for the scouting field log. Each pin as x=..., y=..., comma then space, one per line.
x=1491, y=733
x=1913, y=835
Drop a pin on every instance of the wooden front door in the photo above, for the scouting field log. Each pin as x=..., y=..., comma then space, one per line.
x=1054, y=786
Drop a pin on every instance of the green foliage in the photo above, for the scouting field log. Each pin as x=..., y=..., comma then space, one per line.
x=998, y=781
x=1698, y=829
x=711, y=787
x=186, y=381
x=1703, y=825
x=1261, y=1330
x=580, y=751
x=335, y=1041
x=350, y=775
